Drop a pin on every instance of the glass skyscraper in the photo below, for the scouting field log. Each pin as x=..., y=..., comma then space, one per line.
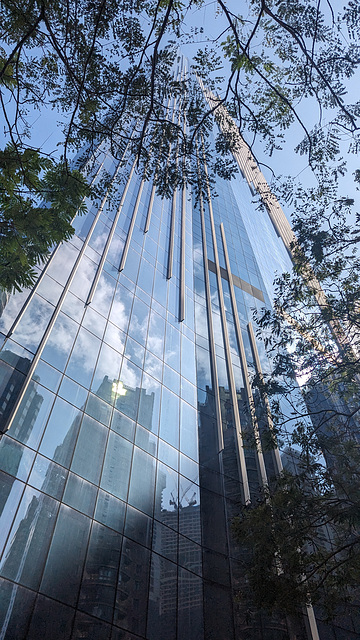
x=125, y=402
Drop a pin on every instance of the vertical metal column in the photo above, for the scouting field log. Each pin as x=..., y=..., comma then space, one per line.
x=309, y=608
x=153, y=189
x=210, y=324
x=183, y=237
x=238, y=430
x=109, y=239
x=173, y=217
x=133, y=217
x=266, y=400
x=244, y=367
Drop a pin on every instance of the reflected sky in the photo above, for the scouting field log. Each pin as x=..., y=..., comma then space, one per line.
x=33, y=324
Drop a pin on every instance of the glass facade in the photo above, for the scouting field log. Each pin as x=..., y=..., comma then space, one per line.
x=125, y=407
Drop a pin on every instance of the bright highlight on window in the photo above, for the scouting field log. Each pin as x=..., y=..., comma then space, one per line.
x=118, y=388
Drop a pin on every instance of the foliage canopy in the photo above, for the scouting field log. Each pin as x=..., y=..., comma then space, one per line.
x=107, y=67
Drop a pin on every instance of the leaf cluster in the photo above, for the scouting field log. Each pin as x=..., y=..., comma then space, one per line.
x=38, y=200
x=301, y=542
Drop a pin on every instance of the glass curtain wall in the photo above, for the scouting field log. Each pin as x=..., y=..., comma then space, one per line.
x=125, y=404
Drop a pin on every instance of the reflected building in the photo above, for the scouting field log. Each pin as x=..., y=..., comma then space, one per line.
x=127, y=443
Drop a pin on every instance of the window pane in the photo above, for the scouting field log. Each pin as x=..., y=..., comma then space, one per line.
x=123, y=425
x=83, y=358
x=73, y=392
x=188, y=431
x=10, y=495
x=98, y=409
x=48, y=477
x=64, y=565
x=121, y=307
x=61, y=431
x=104, y=294
x=26, y=550
x=89, y=451
x=139, y=321
x=168, y=454
x=138, y=526
x=169, y=420
x=32, y=326
x=128, y=390
x=188, y=359
x=110, y=511
x=94, y=322
x=149, y=407
x=161, y=618
x=50, y=620
x=167, y=501
x=132, y=594
x=88, y=628
x=134, y=352
x=62, y=262
x=80, y=494
x=115, y=475
x=20, y=602
x=31, y=416
x=141, y=491
x=172, y=347
x=14, y=458
x=83, y=278
x=146, y=440
x=97, y=594
x=115, y=337
x=107, y=371
x=190, y=618
x=155, y=341
x=48, y=376
x=60, y=341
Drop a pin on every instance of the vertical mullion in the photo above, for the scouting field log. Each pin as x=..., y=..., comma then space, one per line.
x=183, y=236
x=153, y=189
x=109, y=239
x=266, y=400
x=210, y=324
x=238, y=429
x=244, y=367
x=173, y=215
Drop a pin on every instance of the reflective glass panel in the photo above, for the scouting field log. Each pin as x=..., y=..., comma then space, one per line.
x=60, y=341
x=26, y=549
x=48, y=477
x=63, y=569
x=80, y=494
x=110, y=511
x=169, y=419
x=89, y=450
x=132, y=592
x=31, y=416
x=141, y=491
x=82, y=360
x=11, y=491
x=115, y=475
x=61, y=432
x=14, y=458
x=149, y=407
x=99, y=581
